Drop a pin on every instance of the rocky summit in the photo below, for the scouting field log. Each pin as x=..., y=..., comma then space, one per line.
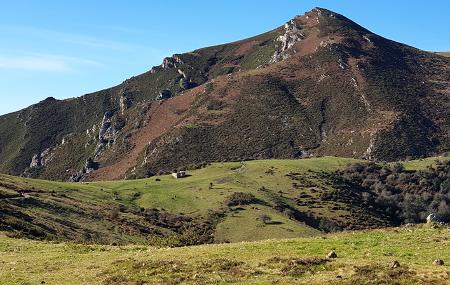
x=318, y=85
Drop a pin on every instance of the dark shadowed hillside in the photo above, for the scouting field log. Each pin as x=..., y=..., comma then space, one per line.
x=319, y=85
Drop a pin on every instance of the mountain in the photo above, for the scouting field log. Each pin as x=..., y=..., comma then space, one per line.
x=318, y=85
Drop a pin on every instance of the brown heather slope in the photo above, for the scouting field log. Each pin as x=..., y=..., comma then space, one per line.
x=444, y=53
x=319, y=85
x=344, y=91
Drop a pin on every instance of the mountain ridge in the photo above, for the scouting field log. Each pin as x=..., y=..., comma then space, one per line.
x=319, y=85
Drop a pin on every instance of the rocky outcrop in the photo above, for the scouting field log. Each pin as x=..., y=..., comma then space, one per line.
x=106, y=134
x=171, y=62
x=36, y=161
x=41, y=159
x=89, y=166
x=125, y=100
x=287, y=40
x=164, y=95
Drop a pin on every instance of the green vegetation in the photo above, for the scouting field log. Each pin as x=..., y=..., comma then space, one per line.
x=205, y=202
x=364, y=257
x=422, y=164
x=222, y=202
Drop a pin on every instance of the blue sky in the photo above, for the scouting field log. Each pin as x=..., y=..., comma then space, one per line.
x=69, y=48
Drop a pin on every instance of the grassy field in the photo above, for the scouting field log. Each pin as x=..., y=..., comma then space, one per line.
x=102, y=233
x=421, y=164
x=117, y=211
x=364, y=257
x=76, y=210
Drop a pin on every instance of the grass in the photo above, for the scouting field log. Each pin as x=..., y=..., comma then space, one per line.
x=421, y=164
x=114, y=211
x=363, y=258
x=245, y=225
x=61, y=210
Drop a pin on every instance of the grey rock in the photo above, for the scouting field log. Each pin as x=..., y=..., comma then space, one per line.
x=433, y=218
x=164, y=95
x=291, y=36
x=36, y=160
x=332, y=254
x=394, y=264
x=438, y=262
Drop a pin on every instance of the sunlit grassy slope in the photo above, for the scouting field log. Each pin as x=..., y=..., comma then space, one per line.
x=363, y=258
x=114, y=212
x=421, y=164
x=77, y=210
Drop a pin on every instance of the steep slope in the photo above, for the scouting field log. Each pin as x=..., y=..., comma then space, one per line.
x=319, y=85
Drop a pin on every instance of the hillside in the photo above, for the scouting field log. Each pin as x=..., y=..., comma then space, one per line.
x=444, y=53
x=318, y=85
x=229, y=202
x=364, y=257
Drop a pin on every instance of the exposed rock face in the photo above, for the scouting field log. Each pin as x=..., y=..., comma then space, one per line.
x=433, y=218
x=164, y=95
x=36, y=160
x=91, y=165
x=106, y=134
x=125, y=100
x=41, y=159
x=171, y=62
x=291, y=36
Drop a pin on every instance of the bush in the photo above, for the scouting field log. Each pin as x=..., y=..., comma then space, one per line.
x=240, y=198
x=265, y=218
x=404, y=196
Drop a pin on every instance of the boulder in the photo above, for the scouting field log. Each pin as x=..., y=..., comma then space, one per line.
x=164, y=95
x=395, y=264
x=332, y=254
x=438, y=262
x=91, y=165
x=432, y=218
x=36, y=161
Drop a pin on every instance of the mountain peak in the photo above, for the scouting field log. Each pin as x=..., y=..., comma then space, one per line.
x=306, y=33
x=318, y=85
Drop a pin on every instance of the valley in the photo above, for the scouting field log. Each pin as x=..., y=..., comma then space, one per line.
x=317, y=152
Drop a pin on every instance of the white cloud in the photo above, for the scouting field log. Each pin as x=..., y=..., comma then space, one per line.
x=41, y=62
x=71, y=38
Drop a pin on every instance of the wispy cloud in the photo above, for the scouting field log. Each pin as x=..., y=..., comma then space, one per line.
x=41, y=62
x=71, y=38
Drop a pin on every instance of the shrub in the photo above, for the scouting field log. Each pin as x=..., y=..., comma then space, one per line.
x=240, y=198
x=327, y=226
x=265, y=218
